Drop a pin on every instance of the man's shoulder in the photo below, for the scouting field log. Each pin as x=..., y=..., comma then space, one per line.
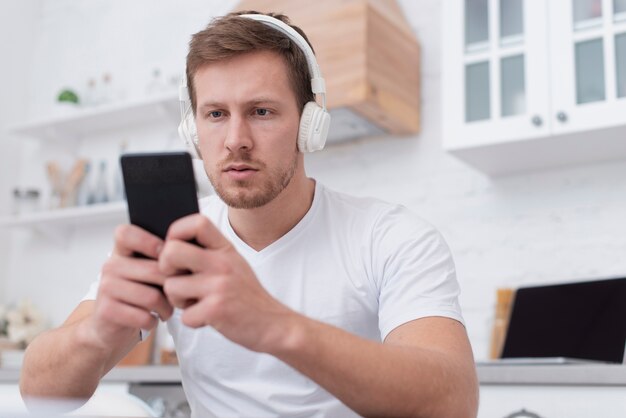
x=361, y=204
x=366, y=207
x=378, y=219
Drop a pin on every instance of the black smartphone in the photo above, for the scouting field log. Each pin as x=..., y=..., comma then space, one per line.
x=160, y=188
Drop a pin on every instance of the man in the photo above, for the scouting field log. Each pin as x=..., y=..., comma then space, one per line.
x=301, y=301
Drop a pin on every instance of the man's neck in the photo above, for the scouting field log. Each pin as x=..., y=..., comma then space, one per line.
x=260, y=227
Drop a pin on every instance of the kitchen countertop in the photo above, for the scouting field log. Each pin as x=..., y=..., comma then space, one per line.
x=497, y=374
x=131, y=374
x=563, y=374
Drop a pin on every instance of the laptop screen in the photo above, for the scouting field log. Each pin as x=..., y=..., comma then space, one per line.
x=585, y=320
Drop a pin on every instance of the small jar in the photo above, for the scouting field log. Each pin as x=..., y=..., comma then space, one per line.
x=25, y=201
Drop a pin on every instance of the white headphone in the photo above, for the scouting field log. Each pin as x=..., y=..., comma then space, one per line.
x=315, y=119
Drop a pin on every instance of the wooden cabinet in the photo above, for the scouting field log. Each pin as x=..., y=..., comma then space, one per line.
x=533, y=84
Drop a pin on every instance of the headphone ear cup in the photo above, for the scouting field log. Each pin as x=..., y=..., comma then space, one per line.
x=189, y=134
x=305, y=127
x=314, y=125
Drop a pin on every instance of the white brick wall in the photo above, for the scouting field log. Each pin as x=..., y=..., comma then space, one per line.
x=535, y=228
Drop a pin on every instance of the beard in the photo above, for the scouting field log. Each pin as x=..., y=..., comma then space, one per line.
x=248, y=194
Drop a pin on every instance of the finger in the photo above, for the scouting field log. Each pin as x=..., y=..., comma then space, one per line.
x=197, y=227
x=180, y=256
x=131, y=238
x=136, y=269
x=137, y=295
x=184, y=291
x=200, y=314
x=125, y=315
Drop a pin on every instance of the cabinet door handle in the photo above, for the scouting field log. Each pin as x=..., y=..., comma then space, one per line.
x=537, y=121
x=523, y=414
x=561, y=117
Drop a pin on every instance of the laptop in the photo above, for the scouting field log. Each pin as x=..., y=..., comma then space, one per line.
x=572, y=323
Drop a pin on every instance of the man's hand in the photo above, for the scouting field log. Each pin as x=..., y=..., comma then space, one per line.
x=222, y=290
x=129, y=288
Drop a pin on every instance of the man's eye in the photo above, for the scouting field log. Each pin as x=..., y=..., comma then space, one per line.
x=262, y=112
x=215, y=114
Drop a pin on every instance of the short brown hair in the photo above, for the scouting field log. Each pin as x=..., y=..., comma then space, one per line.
x=232, y=35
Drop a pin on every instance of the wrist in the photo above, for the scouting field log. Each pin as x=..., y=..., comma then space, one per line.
x=94, y=337
x=292, y=336
x=87, y=336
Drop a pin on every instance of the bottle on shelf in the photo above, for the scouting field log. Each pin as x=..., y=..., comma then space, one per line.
x=91, y=93
x=119, y=193
x=25, y=201
x=101, y=192
x=107, y=95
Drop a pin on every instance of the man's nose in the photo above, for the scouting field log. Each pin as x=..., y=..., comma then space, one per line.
x=238, y=135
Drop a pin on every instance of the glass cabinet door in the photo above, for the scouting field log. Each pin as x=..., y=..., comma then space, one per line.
x=587, y=13
x=476, y=24
x=589, y=71
x=620, y=64
x=619, y=20
x=502, y=71
x=588, y=64
x=487, y=60
x=619, y=9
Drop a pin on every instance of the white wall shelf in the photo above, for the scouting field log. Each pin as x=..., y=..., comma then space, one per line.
x=115, y=211
x=84, y=122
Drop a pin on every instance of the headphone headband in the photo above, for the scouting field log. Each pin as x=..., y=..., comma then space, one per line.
x=318, y=86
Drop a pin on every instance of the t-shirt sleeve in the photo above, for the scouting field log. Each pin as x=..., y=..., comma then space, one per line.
x=414, y=270
x=93, y=291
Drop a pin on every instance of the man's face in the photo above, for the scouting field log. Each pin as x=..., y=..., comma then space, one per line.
x=247, y=120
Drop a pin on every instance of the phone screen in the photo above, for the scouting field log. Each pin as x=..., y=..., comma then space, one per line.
x=160, y=188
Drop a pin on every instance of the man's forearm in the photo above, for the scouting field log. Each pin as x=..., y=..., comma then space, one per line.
x=377, y=379
x=61, y=363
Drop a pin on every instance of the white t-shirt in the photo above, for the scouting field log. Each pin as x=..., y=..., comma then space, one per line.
x=360, y=264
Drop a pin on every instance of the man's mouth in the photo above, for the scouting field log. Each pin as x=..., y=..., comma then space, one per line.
x=239, y=167
x=240, y=171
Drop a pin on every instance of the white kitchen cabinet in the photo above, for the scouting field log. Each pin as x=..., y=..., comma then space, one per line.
x=534, y=84
x=588, y=71
x=552, y=391
x=509, y=401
